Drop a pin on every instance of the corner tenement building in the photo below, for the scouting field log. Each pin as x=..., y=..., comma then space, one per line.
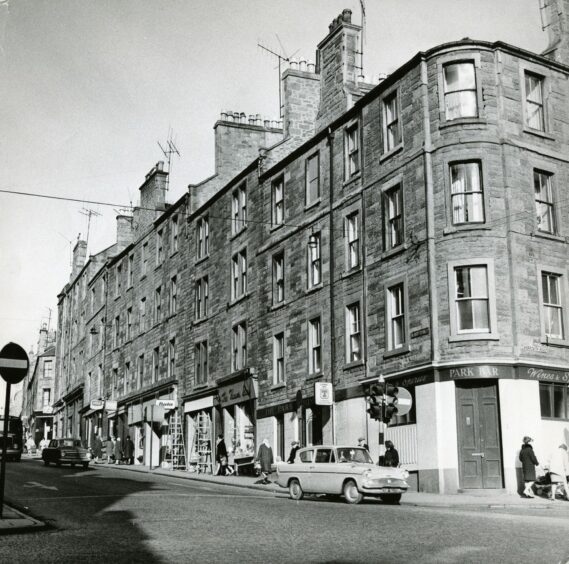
x=414, y=229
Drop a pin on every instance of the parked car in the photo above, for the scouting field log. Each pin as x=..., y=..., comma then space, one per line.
x=66, y=451
x=341, y=470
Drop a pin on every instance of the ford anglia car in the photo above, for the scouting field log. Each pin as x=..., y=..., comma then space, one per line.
x=66, y=451
x=341, y=470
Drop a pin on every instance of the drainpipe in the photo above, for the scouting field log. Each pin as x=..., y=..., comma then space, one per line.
x=330, y=139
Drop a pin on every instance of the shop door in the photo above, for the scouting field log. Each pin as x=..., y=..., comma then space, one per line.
x=479, y=445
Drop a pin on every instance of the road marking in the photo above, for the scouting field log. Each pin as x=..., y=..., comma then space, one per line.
x=38, y=485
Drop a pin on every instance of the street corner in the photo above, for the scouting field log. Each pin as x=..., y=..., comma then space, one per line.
x=15, y=521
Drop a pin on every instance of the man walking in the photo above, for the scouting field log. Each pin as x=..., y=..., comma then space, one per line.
x=265, y=458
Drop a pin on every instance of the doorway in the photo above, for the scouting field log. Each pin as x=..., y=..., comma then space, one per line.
x=479, y=440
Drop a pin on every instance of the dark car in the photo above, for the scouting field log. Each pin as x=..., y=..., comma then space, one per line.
x=66, y=451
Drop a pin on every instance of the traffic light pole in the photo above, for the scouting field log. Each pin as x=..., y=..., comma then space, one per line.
x=4, y=447
x=382, y=425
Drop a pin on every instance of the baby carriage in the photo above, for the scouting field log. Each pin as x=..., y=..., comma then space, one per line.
x=542, y=487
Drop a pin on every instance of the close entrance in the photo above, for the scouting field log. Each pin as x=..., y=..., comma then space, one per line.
x=479, y=443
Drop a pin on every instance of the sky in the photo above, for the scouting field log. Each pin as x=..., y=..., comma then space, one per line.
x=89, y=87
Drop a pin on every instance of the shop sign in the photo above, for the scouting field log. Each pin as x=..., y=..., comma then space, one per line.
x=111, y=405
x=474, y=372
x=48, y=410
x=199, y=404
x=543, y=374
x=167, y=404
x=97, y=404
x=323, y=393
x=237, y=392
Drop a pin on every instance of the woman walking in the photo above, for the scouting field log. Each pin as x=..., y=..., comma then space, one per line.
x=529, y=462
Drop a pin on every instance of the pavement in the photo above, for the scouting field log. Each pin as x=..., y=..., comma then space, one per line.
x=14, y=520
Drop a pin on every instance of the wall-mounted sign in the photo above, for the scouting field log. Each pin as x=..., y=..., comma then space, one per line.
x=323, y=393
x=111, y=405
x=475, y=372
x=237, y=392
x=167, y=404
x=97, y=404
x=543, y=374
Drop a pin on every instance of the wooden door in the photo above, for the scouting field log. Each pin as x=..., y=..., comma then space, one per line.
x=479, y=444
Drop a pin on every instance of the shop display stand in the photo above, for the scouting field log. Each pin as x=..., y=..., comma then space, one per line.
x=177, y=453
x=202, y=444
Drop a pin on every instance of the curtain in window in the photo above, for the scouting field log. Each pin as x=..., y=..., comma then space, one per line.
x=466, y=193
x=534, y=102
x=460, y=91
x=472, y=299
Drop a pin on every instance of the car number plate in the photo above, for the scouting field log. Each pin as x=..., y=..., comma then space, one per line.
x=391, y=490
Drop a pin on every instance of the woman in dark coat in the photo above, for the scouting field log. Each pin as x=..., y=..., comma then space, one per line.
x=221, y=457
x=529, y=462
x=265, y=458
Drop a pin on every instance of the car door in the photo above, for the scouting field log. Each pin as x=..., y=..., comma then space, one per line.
x=305, y=469
x=322, y=476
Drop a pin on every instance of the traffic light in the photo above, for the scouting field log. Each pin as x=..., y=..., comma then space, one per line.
x=375, y=400
x=391, y=409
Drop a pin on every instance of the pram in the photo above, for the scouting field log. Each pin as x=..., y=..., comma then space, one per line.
x=542, y=487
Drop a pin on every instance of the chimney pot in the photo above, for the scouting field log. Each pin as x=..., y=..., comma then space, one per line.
x=347, y=15
x=310, y=66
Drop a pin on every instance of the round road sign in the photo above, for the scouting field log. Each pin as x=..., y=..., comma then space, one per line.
x=404, y=401
x=14, y=363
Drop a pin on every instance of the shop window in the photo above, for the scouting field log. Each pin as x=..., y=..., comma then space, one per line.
x=554, y=400
x=312, y=179
x=391, y=123
x=459, y=81
x=314, y=260
x=314, y=346
x=202, y=238
x=534, y=108
x=393, y=217
x=544, y=202
x=352, y=151
x=239, y=208
x=278, y=188
x=467, y=200
x=352, y=241
x=278, y=278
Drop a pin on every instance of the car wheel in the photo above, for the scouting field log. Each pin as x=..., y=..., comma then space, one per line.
x=85, y=465
x=392, y=499
x=351, y=492
x=295, y=490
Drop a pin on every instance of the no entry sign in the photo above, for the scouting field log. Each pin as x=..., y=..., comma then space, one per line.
x=14, y=363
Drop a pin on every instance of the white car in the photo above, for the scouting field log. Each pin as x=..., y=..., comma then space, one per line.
x=341, y=470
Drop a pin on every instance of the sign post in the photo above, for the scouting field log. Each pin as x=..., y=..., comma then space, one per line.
x=14, y=365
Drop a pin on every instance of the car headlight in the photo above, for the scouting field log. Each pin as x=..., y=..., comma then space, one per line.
x=405, y=474
x=16, y=446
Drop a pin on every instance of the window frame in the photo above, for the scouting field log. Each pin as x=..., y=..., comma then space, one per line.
x=171, y=357
x=279, y=361
x=174, y=227
x=314, y=264
x=452, y=195
x=239, y=208
x=550, y=388
x=353, y=243
x=201, y=364
x=202, y=237
x=307, y=181
x=201, y=297
x=130, y=271
x=527, y=68
x=314, y=345
x=389, y=286
x=447, y=93
x=173, y=295
x=387, y=189
x=349, y=333
x=493, y=333
x=392, y=94
x=239, y=273
x=552, y=203
x=157, y=314
x=159, y=246
x=278, y=206
x=352, y=153
x=239, y=346
x=278, y=282
x=155, y=364
x=457, y=58
x=563, y=290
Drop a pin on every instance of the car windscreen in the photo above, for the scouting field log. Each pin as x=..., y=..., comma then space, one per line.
x=354, y=454
x=68, y=443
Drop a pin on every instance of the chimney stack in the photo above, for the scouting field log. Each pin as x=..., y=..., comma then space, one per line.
x=124, y=232
x=338, y=58
x=152, y=198
x=79, y=257
x=556, y=21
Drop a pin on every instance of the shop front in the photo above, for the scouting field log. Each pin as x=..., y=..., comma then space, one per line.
x=236, y=403
x=200, y=432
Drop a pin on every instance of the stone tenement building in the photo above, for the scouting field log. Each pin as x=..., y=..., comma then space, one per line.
x=414, y=229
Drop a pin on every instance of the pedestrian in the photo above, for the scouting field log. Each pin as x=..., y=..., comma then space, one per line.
x=391, y=457
x=129, y=450
x=558, y=466
x=265, y=458
x=223, y=468
x=529, y=462
x=117, y=451
x=109, y=450
x=295, y=445
x=362, y=443
x=97, y=448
